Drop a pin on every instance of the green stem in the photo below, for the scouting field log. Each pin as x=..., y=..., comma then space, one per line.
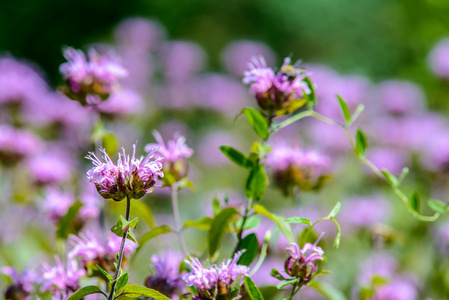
x=122, y=247
x=245, y=217
x=176, y=217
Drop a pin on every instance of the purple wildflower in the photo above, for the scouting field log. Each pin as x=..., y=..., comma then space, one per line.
x=291, y=167
x=174, y=154
x=166, y=278
x=56, y=203
x=399, y=97
x=132, y=177
x=15, y=144
x=276, y=92
x=90, y=79
x=400, y=288
x=215, y=282
x=88, y=248
x=364, y=211
x=124, y=102
x=301, y=262
x=182, y=59
x=140, y=34
x=439, y=58
x=61, y=281
x=22, y=284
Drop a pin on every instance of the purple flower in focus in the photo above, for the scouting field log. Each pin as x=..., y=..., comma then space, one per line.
x=15, y=144
x=215, y=282
x=132, y=177
x=61, y=281
x=301, y=262
x=291, y=167
x=174, y=155
x=90, y=79
x=276, y=92
x=439, y=58
x=22, y=284
x=56, y=203
x=166, y=279
x=237, y=54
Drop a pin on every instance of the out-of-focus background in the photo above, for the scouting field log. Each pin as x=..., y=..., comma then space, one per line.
x=186, y=61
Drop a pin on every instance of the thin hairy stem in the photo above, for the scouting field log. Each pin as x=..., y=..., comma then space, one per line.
x=176, y=217
x=122, y=247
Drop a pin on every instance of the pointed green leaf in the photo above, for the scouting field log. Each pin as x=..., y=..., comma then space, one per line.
x=218, y=228
x=290, y=281
x=137, y=290
x=256, y=183
x=390, y=178
x=298, y=220
x=87, y=290
x=156, y=231
x=358, y=111
x=251, y=246
x=334, y=212
x=279, y=220
x=66, y=220
x=259, y=123
x=310, y=98
x=121, y=282
x=141, y=209
x=275, y=273
x=438, y=206
x=203, y=224
x=105, y=273
x=415, y=201
x=236, y=157
x=253, y=292
x=361, y=143
x=344, y=109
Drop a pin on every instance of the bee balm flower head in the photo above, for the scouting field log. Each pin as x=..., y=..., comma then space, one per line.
x=131, y=177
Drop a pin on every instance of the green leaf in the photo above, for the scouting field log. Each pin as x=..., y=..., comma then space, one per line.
x=298, y=220
x=358, y=111
x=218, y=229
x=121, y=282
x=327, y=291
x=275, y=273
x=203, y=224
x=403, y=174
x=186, y=183
x=282, y=284
x=256, y=183
x=137, y=290
x=361, y=143
x=66, y=220
x=236, y=157
x=311, y=100
x=415, y=201
x=252, y=289
x=216, y=206
x=105, y=273
x=438, y=206
x=334, y=212
x=344, y=109
x=279, y=220
x=259, y=123
x=119, y=228
x=251, y=245
x=87, y=290
x=338, y=237
x=251, y=222
x=390, y=178
x=143, y=211
x=156, y=231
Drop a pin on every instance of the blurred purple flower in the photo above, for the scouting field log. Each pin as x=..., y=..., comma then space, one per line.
x=56, y=203
x=221, y=93
x=262, y=276
x=237, y=54
x=363, y=211
x=399, y=97
x=20, y=82
x=176, y=149
x=131, y=176
x=113, y=246
x=215, y=281
x=442, y=238
x=379, y=264
x=52, y=165
x=139, y=33
x=208, y=148
x=124, y=102
x=93, y=77
x=390, y=159
x=15, y=144
x=166, y=279
x=301, y=262
x=91, y=203
x=400, y=288
x=22, y=284
x=61, y=281
x=181, y=59
x=439, y=58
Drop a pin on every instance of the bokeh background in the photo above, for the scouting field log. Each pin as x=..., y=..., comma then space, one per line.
x=375, y=52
